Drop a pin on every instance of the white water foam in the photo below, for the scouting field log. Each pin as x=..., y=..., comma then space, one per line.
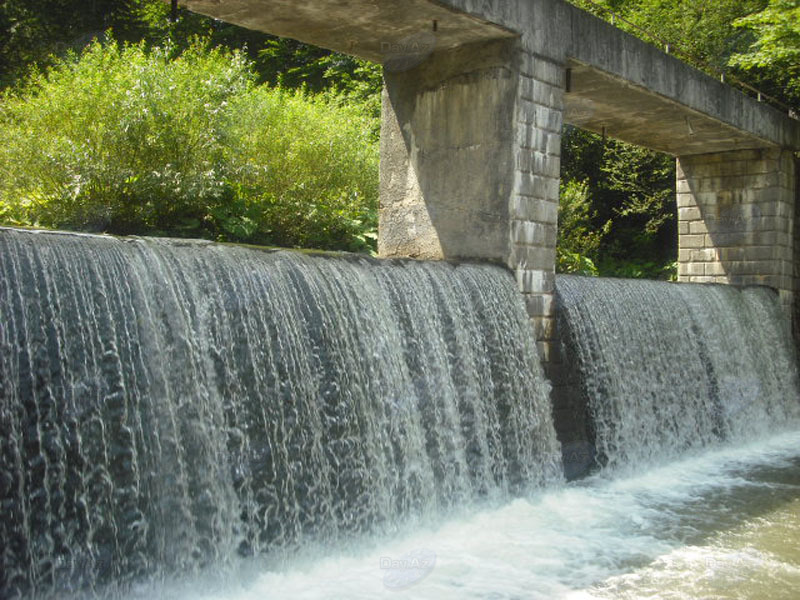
x=672, y=532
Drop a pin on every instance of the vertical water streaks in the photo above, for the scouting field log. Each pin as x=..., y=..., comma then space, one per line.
x=166, y=406
x=668, y=368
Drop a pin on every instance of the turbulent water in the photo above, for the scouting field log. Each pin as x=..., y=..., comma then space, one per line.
x=194, y=421
x=721, y=525
x=667, y=368
x=169, y=406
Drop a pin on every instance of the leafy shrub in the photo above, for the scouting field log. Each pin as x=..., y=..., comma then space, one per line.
x=305, y=171
x=131, y=140
x=578, y=239
x=617, y=205
x=632, y=268
x=120, y=140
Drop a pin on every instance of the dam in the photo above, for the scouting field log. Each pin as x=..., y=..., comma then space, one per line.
x=183, y=419
x=475, y=97
x=189, y=419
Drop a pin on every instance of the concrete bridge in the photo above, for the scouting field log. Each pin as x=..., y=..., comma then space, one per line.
x=476, y=93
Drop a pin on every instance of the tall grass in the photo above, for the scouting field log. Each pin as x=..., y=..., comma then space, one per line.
x=131, y=140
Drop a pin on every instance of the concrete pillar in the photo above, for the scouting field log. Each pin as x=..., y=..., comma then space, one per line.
x=470, y=161
x=736, y=219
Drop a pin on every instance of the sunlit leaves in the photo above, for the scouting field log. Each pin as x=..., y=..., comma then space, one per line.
x=127, y=139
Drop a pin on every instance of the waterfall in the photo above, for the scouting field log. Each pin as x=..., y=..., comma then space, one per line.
x=166, y=406
x=670, y=368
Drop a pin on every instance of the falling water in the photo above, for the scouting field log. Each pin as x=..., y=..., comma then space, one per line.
x=166, y=406
x=670, y=368
x=171, y=411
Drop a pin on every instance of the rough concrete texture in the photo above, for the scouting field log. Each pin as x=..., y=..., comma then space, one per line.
x=666, y=88
x=605, y=104
x=736, y=219
x=447, y=154
x=377, y=30
x=620, y=84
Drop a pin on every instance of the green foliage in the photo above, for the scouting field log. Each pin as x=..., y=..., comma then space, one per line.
x=35, y=32
x=757, y=41
x=86, y=146
x=636, y=268
x=622, y=193
x=574, y=263
x=135, y=141
x=704, y=30
x=584, y=244
x=632, y=187
x=308, y=169
x=643, y=184
x=346, y=79
x=578, y=240
x=776, y=49
x=120, y=140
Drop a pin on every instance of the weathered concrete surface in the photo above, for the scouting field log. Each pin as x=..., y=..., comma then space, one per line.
x=604, y=104
x=470, y=161
x=620, y=84
x=377, y=30
x=674, y=90
x=476, y=95
x=736, y=219
x=447, y=155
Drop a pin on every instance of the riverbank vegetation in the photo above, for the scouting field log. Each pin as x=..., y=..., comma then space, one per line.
x=198, y=128
x=159, y=141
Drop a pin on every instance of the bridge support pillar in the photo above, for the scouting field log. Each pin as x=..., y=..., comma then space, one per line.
x=470, y=161
x=736, y=213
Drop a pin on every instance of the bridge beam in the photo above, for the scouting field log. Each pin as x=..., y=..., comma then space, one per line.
x=476, y=93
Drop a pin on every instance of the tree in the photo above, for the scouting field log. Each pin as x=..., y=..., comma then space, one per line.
x=632, y=188
x=775, y=54
x=704, y=31
x=578, y=237
x=628, y=227
x=35, y=32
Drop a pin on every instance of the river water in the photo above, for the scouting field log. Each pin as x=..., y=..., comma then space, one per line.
x=723, y=523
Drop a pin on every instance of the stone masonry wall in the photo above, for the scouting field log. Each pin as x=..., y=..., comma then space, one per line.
x=534, y=229
x=736, y=219
x=534, y=198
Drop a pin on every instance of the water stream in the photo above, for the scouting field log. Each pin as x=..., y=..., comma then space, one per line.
x=168, y=407
x=181, y=419
x=670, y=368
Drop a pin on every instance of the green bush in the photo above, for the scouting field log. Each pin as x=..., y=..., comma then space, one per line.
x=305, y=171
x=578, y=240
x=130, y=140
